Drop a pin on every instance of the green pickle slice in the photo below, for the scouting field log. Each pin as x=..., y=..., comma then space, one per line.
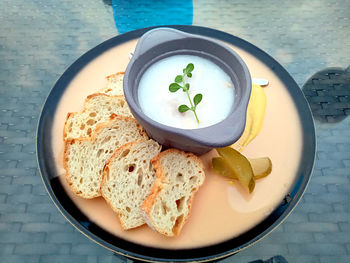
x=234, y=165
x=262, y=167
x=221, y=167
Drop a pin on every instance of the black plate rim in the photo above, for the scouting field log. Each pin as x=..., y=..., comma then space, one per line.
x=195, y=254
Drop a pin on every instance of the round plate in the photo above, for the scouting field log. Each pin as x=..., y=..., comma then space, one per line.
x=48, y=171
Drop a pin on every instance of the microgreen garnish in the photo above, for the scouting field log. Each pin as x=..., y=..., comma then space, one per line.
x=180, y=79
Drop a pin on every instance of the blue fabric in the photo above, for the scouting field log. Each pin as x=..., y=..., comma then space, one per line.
x=131, y=15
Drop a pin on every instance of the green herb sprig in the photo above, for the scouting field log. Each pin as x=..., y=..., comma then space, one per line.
x=181, y=79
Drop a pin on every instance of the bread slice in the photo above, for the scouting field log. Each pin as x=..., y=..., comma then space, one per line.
x=98, y=108
x=84, y=158
x=128, y=178
x=114, y=85
x=179, y=175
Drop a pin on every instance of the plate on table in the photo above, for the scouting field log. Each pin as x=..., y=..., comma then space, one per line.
x=287, y=137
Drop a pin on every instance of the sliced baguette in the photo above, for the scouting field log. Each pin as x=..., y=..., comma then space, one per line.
x=128, y=178
x=179, y=175
x=84, y=158
x=114, y=85
x=98, y=108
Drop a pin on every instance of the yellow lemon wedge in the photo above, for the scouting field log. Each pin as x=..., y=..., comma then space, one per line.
x=254, y=118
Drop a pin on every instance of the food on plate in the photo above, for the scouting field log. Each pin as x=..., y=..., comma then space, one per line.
x=114, y=85
x=255, y=117
x=178, y=177
x=207, y=79
x=262, y=167
x=127, y=180
x=98, y=108
x=84, y=158
x=109, y=154
x=233, y=164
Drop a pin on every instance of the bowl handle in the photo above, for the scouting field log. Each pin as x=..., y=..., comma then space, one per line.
x=155, y=37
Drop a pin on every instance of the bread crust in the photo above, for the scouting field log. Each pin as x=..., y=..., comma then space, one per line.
x=115, y=74
x=100, y=126
x=159, y=186
x=69, y=114
x=101, y=94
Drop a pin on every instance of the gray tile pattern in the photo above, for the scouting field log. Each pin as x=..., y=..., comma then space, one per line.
x=40, y=39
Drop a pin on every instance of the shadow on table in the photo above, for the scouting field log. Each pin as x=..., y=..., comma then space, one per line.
x=328, y=93
x=107, y=2
x=275, y=259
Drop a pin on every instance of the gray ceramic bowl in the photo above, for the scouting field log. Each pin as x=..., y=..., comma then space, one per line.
x=160, y=43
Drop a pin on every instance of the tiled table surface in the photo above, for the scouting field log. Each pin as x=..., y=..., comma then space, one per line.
x=40, y=39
